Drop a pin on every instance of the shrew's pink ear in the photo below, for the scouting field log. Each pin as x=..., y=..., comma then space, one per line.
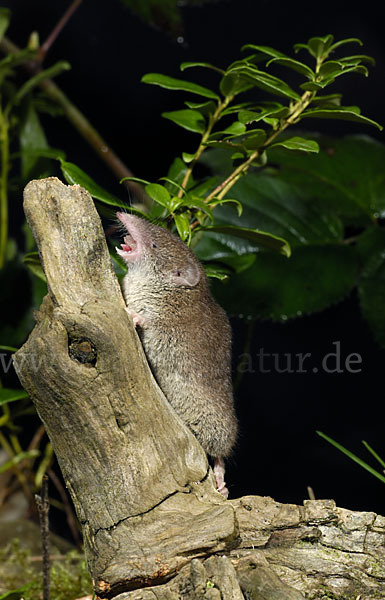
x=188, y=276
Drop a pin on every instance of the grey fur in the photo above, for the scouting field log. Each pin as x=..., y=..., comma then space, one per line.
x=185, y=334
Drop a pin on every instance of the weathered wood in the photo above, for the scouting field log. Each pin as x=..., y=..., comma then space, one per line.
x=287, y=552
x=138, y=477
x=152, y=520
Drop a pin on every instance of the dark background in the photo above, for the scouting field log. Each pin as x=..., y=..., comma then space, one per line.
x=278, y=453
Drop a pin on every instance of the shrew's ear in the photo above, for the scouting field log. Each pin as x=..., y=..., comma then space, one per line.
x=188, y=276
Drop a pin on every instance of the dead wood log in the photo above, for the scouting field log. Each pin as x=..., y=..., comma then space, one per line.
x=287, y=552
x=139, y=480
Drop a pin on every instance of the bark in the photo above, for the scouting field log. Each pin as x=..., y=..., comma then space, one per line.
x=287, y=552
x=145, y=496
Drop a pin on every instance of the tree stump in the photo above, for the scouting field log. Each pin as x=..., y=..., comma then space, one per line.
x=154, y=525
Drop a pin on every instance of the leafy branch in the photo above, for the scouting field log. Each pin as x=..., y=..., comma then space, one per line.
x=303, y=208
x=252, y=129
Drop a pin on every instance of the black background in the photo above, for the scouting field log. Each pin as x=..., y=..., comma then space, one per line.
x=278, y=453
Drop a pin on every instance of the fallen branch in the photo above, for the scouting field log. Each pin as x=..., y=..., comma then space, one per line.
x=139, y=480
x=138, y=477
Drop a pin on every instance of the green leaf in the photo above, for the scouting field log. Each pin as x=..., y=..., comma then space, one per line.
x=298, y=143
x=265, y=81
x=295, y=65
x=233, y=108
x=370, y=242
x=254, y=139
x=319, y=47
x=314, y=278
x=120, y=267
x=15, y=282
x=13, y=60
x=5, y=17
x=374, y=454
x=76, y=176
x=16, y=594
x=15, y=460
x=343, y=71
x=235, y=128
x=233, y=83
x=330, y=68
x=240, y=262
x=229, y=264
x=172, y=183
x=343, y=42
x=192, y=201
x=267, y=50
x=183, y=226
x=8, y=348
x=314, y=86
x=187, y=157
x=204, y=186
x=176, y=174
x=356, y=59
x=233, y=131
x=216, y=272
x=171, y=83
x=250, y=61
x=257, y=237
x=281, y=208
x=174, y=204
x=158, y=193
x=352, y=456
x=346, y=177
x=250, y=116
x=54, y=153
x=328, y=100
x=342, y=113
x=49, y=73
x=222, y=201
x=371, y=287
x=206, y=108
x=217, y=248
x=188, y=65
x=32, y=261
x=322, y=47
x=192, y=120
x=31, y=138
x=136, y=179
x=8, y=395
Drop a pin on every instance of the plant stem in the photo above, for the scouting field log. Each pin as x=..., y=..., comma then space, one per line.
x=4, y=154
x=16, y=469
x=57, y=29
x=202, y=146
x=84, y=127
x=79, y=121
x=71, y=519
x=222, y=189
x=43, y=509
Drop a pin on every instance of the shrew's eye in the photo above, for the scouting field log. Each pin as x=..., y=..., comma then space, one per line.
x=154, y=245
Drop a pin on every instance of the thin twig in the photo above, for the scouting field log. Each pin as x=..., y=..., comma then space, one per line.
x=57, y=30
x=80, y=122
x=71, y=520
x=16, y=469
x=56, y=557
x=43, y=509
x=34, y=443
x=310, y=492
